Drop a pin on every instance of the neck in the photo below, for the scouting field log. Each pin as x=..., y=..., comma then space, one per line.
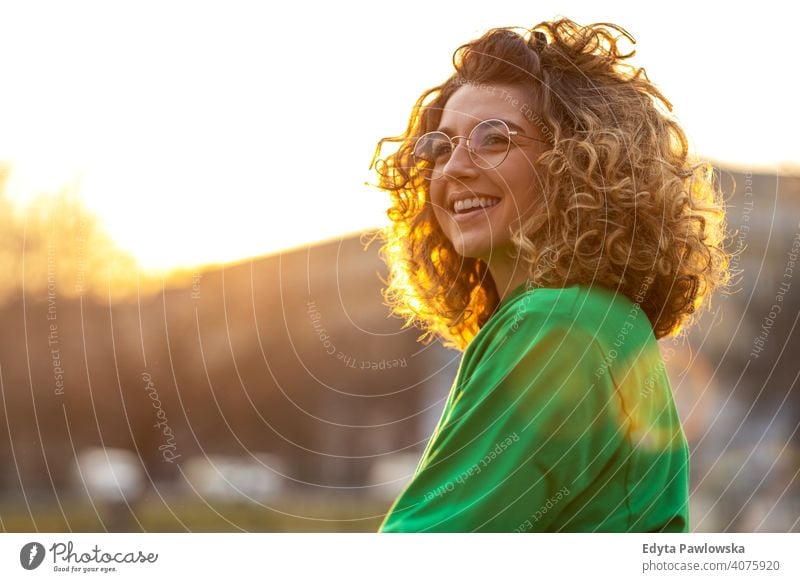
x=507, y=274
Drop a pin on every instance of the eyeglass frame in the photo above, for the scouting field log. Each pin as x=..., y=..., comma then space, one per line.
x=453, y=145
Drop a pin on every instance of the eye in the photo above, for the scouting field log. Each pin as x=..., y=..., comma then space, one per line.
x=492, y=140
x=490, y=136
x=432, y=147
x=497, y=138
x=440, y=149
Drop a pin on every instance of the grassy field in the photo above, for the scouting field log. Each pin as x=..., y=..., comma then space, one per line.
x=184, y=514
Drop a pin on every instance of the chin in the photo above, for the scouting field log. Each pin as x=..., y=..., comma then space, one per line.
x=472, y=249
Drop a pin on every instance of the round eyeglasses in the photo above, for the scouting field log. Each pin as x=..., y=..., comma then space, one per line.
x=488, y=144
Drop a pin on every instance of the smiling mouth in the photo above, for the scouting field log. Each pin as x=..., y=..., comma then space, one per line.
x=474, y=204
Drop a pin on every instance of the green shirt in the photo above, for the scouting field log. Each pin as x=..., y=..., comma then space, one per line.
x=561, y=418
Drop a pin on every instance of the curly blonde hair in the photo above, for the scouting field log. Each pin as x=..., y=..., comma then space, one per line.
x=627, y=208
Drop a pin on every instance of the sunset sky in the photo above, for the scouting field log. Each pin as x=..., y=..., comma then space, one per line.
x=207, y=132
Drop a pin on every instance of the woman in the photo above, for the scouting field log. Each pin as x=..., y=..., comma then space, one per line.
x=547, y=219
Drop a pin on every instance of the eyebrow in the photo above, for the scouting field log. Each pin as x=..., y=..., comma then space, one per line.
x=510, y=124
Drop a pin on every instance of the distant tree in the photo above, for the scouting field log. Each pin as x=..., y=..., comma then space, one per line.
x=55, y=240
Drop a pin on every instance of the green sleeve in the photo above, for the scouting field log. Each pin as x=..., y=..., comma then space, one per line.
x=530, y=431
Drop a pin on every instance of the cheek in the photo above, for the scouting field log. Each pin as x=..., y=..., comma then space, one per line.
x=437, y=200
x=524, y=190
x=436, y=192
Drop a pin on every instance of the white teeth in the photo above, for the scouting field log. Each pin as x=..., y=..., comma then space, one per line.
x=470, y=203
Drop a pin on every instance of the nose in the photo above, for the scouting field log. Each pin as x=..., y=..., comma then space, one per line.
x=459, y=165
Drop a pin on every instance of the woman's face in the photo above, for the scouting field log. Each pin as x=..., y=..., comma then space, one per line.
x=512, y=188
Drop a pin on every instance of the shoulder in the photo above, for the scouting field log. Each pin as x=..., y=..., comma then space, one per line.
x=538, y=328
x=544, y=361
x=582, y=311
x=589, y=330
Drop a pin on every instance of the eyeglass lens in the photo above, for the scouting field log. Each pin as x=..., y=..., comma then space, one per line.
x=488, y=146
